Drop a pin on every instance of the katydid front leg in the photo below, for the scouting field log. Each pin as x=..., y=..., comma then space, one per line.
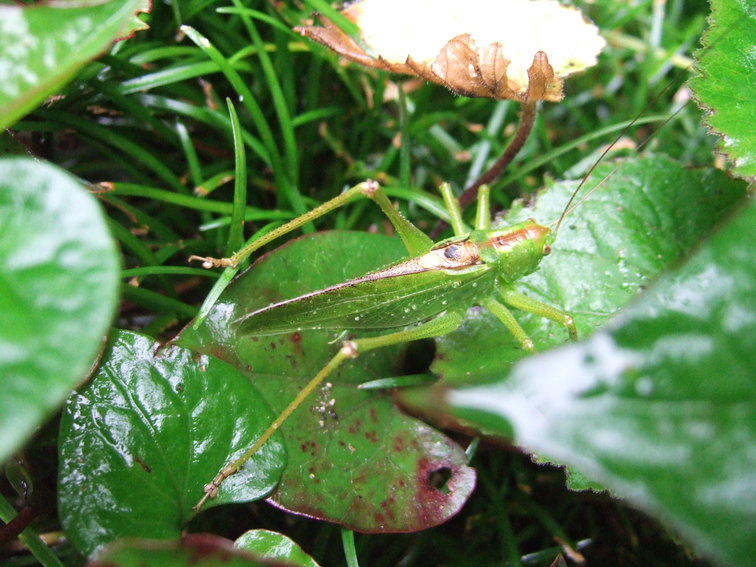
x=441, y=325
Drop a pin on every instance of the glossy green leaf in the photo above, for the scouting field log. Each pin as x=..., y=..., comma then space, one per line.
x=273, y=545
x=43, y=45
x=724, y=86
x=642, y=218
x=58, y=290
x=196, y=550
x=357, y=460
x=142, y=438
x=661, y=406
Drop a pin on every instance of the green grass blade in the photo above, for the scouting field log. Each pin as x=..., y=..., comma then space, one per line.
x=290, y=153
x=236, y=234
x=266, y=134
x=156, y=302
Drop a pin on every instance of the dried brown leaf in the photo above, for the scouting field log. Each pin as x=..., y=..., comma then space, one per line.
x=460, y=66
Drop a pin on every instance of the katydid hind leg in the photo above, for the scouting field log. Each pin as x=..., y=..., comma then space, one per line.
x=441, y=325
x=414, y=239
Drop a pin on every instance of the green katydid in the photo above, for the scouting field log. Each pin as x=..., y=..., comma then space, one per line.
x=423, y=296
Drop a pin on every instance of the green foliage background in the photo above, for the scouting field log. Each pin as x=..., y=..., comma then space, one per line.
x=168, y=129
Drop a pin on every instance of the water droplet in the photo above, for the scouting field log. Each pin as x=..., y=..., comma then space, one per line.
x=644, y=387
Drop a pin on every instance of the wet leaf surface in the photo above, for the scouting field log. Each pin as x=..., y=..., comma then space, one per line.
x=58, y=291
x=140, y=440
x=41, y=47
x=274, y=545
x=661, y=406
x=357, y=460
x=643, y=218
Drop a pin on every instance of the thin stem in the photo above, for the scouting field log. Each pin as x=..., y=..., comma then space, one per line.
x=527, y=120
x=29, y=538
x=350, y=551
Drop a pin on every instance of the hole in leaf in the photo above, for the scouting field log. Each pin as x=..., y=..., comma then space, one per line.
x=439, y=479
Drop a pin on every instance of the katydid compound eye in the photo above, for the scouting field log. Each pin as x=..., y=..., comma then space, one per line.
x=546, y=249
x=452, y=252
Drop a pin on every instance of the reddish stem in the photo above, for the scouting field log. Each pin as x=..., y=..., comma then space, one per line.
x=527, y=120
x=10, y=531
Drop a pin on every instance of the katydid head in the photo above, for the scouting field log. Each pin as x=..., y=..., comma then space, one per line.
x=540, y=236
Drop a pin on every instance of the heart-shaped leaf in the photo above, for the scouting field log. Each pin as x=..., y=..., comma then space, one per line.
x=141, y=439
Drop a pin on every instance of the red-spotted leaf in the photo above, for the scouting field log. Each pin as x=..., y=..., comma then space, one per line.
x=353, y=457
